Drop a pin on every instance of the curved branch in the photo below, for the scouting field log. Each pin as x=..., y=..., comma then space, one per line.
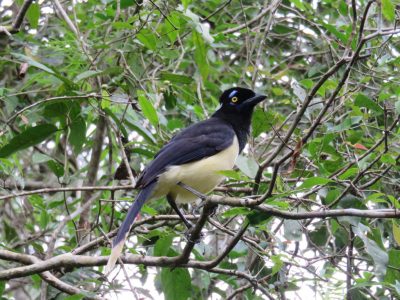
x=70, y=260
x=386, y=213
x=46, y=275
x=76, y=97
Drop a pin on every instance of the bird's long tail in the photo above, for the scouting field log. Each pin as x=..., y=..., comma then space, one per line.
x=125, y=228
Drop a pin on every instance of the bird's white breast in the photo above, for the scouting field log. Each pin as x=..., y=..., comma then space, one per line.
x=202, y=175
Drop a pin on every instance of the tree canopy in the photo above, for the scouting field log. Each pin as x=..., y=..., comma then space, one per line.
x=91, y=90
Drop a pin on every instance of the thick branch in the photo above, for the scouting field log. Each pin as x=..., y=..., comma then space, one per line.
x=46, y=275
x=70, y=260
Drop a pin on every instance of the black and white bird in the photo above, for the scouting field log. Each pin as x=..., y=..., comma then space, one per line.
x=193, y=157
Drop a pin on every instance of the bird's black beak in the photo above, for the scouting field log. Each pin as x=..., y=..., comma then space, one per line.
x=255, y=100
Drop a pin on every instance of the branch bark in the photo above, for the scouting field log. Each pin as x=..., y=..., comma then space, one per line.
x=73, y=260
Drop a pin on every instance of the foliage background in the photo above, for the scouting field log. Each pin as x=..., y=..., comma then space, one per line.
x=82, y=81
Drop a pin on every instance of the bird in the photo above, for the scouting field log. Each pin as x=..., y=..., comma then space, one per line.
x=193, y=158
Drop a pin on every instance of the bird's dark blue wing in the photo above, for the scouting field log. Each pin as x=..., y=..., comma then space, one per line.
x=196, y=142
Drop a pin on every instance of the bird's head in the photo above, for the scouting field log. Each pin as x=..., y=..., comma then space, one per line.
x=240, y=100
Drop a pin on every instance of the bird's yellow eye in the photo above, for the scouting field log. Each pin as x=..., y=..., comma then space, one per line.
x=234, y=99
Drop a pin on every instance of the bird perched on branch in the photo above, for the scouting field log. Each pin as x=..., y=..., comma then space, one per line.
x=189, y=164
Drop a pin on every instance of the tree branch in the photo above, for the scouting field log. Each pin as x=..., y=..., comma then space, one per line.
x=255, y=19
x=71, y=260
x=68, y=189
x=20, y=17
x=84, y=223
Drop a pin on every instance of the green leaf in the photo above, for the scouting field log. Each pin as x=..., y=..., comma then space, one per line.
x=56, y=203
x=396, y=232
x=393, y=273
x=379, y=255
x=163, y=244
x=44, y=219
x=256, y=217
x=37, y=201
x=2, y=287
x=387, y=158
x=350, y=172
x=105, y=99
x=30, y=137
x=9, y=232
x=320, y=236
x=44, y=68
x=148, y=39
x=171, y=28
x=147, y=210
x=176, y=78
x=147, y=135
x=39, y=158
x=34, y=63
x=313, y=181
x=292, y=230
x=56, y=168
x=299, y=4
x=363, y=101
x=117, y=121
x=87, y=74
x=200, y=55
x=397, y=107
x=176, y=284
x=346, y=124
x=247, y=165
x=186, y=3
x=55, y=110
x=343, y=8
x=33, y=15
x=77, y=136
x=262, y=121
x=127, y=3
x=236, y=211
x=147, y=108
x=174, y=123
x=278, y=264
x=277, y=91
x=307, y=83
x=388, y=10
x=333, y=30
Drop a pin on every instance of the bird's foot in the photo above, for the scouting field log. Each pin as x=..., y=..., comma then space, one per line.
x=213, y=208
x=190, y=239
x=196, y=209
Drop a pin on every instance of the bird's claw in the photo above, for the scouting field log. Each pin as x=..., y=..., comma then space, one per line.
x=196, y=210
x=189, y=237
